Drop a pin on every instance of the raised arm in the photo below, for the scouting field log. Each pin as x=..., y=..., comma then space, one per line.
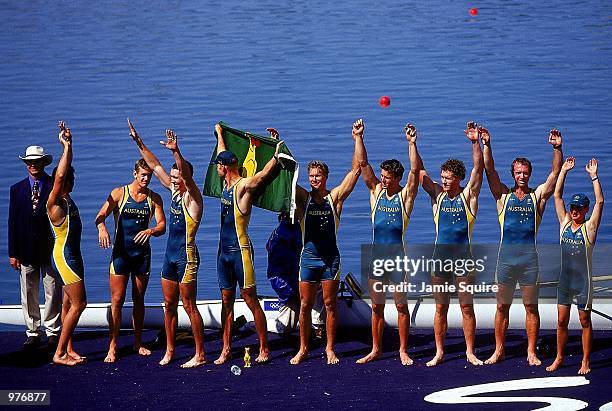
x=562, y=214
x=472, y=132
x=171, y=144
x=547, y=189
x=107, y=208
x=150, y=158
x=220, y=141
x=341, y=192
x=595, y=220
x=412, y=185
x=263, y=177
x=65, y=138
x=495, y=184
x=361, y=155
x=415, y=158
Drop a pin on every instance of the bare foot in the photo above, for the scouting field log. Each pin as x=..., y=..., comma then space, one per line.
x=533, y=360
x=263, y=357
x=226, y=354
x=299, y=357
x=472, y=359
x=495, y=358
x=73, y=354
x=373, y=355
x=142, y=350
x=167, y=358
x=406, y=360
x=196, y=361
x=585, y=368
x=110, y=356
x=331, y=357
x=435, y=360
x=65, y=360
x=556, y=364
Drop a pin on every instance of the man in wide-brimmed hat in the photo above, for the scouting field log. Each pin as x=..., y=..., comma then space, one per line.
x=30, y=244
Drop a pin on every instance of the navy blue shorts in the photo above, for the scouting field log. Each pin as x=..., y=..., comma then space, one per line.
x=183, y=269
x=126, y=265
x=523, y=269
x=314, y=269
x=235, y=267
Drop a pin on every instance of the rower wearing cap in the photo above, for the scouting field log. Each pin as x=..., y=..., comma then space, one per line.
x=577, y=237
x=235, y=255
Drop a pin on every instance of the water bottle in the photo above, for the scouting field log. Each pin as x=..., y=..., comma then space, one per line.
x=236, y=370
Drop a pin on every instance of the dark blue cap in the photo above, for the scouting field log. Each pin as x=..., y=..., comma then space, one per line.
x=580, y=200
x=225, y=158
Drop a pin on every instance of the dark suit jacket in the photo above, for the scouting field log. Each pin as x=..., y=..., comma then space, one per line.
x=29, y=234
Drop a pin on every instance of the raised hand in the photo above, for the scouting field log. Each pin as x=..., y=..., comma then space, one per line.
x=65, y=137
x=358, y=127
x=218, y=129
x=133, y=132
x=484, y=135
x=170, y=142
x=591, y=168
x=411, y=133
x=554, y=138
x=568, y=164
x=273, y=133
x=471, y=131
x=278, y=146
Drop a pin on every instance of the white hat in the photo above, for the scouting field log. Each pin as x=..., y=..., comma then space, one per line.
x=35, y=153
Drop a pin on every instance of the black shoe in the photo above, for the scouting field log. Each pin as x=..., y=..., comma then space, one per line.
x=52, y=341
x=31, y=342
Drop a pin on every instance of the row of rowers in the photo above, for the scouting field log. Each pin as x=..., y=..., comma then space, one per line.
x=454, y=210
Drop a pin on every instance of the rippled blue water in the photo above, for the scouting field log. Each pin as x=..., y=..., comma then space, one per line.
x=309, y=69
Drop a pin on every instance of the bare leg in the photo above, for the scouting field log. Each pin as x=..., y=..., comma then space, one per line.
x=170, y=290
x=532, y=322
x=403, y=322
x=118, y=285
x=587, y=341
x=378, y=322
x=139, y=287
x=250, y=297
x=468, y=320
x=77, y=302
x=440, y=320
x=227, y=317
x=502, y=318
x=189, y=293
x=330, y=299
x=562, y=322
x=308, y=292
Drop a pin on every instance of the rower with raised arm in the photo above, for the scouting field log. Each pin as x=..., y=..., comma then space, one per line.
x=454, y=210
x=391, y=206
x=66, y=257
x=319, y=212
x=520, y=210
x=577, y=236
x=181, y=260
x=235, y=256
